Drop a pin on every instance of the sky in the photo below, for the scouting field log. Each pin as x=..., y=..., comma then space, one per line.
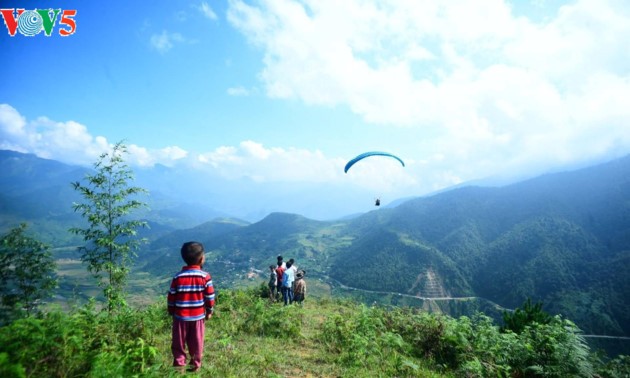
x=285, y=92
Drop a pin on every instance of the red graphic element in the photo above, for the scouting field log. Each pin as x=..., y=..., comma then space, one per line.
x=10, y=19
x=67, y=20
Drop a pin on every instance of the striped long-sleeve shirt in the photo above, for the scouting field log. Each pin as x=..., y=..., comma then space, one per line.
x=191, y=294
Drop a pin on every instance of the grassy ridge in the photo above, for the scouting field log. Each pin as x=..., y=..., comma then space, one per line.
x=249, y=336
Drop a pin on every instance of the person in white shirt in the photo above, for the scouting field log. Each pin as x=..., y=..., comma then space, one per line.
x=287, y=284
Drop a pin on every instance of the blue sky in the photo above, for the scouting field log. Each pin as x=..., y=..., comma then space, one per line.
x=283, y=91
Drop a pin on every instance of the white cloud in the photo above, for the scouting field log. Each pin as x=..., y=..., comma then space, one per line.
x=144, y=157
x=13, y=123
x=66, y=141
x=70, y=141
x=256, y=150
x=165, y=41
x=254, y=160
x=207, y=11
x=13, y=128
x=504, y=95
x=279, y=165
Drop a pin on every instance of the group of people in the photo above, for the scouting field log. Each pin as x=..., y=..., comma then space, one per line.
x=191, y=300
x=287, y=280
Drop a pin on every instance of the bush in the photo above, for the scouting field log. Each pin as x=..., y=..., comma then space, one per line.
x=424, y=332
x=10, y=370
x=476, y=347
x=84, y=342
x=357, y=336
x=524, y=316
x=616, y=368
x=245, y=311
x=556, y=349
x=353, y=339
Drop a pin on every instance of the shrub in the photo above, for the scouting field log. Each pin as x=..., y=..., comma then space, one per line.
x=523, y=316
x=423, y=331
x=358, y=337
x=245, y=311
x=556, y=349
x=27, y=274
x=8, y=369
x=616, y=368
x=84, y=342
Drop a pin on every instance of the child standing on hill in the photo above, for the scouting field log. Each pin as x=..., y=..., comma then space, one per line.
x=300, y=287
x=190, y=302
x=273, y=283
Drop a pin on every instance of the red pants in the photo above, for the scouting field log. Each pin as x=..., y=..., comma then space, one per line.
x=187, y=334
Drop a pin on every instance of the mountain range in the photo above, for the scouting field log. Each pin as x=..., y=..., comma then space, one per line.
x=39, y=191
x=562, y=239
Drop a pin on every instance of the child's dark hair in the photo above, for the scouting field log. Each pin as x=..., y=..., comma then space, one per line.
x=192, y=252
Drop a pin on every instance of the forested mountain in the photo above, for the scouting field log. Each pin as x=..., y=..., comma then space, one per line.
x=162, y=255
x=37, y=191
x=563, y=239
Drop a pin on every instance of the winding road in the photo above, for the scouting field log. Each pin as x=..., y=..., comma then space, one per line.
x=449, y=298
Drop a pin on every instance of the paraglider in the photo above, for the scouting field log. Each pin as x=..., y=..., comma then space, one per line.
x=368, y=154
x=377, y=201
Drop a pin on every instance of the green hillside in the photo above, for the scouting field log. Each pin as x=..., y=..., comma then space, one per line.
x=251, y=337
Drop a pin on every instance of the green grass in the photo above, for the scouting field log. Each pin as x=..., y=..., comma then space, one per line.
x=235, y=348
x=249, y=336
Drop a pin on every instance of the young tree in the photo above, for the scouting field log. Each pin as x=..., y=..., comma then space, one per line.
x=27, y=274
x=526, y=315
x=110, y=236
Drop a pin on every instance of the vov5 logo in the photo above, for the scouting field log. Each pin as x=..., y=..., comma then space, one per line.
x=31, y=22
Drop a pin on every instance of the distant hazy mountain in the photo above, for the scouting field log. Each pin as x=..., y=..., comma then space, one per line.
x=39, y=191
x=562, y=238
